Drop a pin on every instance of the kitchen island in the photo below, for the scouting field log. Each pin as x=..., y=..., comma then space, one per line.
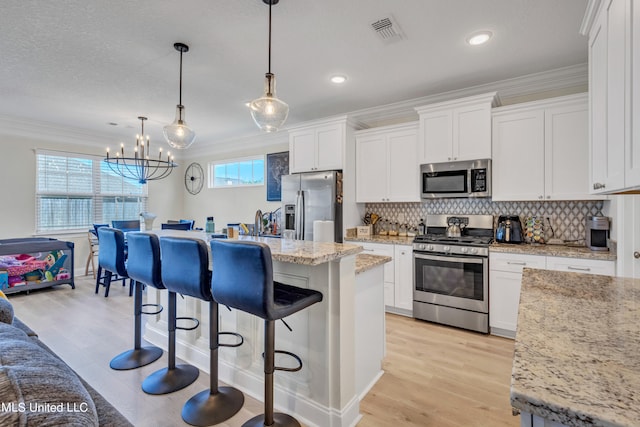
x=576, y=352
x=325, y=391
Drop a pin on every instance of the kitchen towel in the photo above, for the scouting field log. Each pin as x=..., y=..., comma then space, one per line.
x=323, y=231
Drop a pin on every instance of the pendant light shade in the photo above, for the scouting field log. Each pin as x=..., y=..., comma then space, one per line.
x=268, y=111
x=178, y=134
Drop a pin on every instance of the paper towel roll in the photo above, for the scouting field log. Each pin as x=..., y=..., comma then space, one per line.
x=323, y=231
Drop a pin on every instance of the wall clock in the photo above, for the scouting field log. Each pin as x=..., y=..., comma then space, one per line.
x=194, y=178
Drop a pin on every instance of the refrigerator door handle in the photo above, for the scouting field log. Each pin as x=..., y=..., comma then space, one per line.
x=299, y=233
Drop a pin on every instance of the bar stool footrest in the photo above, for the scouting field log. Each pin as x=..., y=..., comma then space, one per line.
x=159, y=309
x=288, y=353
x=234, y=344
x=184, y=328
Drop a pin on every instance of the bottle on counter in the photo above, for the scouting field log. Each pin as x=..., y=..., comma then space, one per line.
x=422, y=229
x=211, y=225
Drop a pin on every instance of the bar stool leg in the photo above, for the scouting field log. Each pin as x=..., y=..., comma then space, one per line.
x=139, y=356
x=269, y=418
x=172, y=378
x=217, y=404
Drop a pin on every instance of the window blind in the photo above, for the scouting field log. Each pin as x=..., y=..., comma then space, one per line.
x=73, y=191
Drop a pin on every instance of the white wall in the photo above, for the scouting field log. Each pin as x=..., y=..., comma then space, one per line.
x=231, y=205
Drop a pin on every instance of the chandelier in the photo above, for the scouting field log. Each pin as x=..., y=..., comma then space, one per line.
x=268, y=111
x=141, y=166
x=178, y=134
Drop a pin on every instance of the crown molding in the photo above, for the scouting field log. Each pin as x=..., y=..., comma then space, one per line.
x=233, y=145
x=403, y=111
x=589, y=16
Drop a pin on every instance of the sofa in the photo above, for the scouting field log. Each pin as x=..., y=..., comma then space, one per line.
x=38, y=389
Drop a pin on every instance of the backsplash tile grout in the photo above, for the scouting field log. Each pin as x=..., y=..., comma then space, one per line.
x=567, y=217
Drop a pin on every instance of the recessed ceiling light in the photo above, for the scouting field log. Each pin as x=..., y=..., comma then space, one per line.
x=338, y=79
x=479, y=38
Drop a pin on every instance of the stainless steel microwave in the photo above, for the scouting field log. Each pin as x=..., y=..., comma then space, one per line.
x=456, y=179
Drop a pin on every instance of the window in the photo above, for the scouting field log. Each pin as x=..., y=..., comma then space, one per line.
x=237, y=173
x=74, y=191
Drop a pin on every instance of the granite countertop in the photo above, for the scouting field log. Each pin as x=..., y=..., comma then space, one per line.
x=365, y=262
x=577, y=349
x=553, y=250
x=285, y=250
x=392, y=240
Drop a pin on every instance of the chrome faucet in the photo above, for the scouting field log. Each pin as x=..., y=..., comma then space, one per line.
x=258, y=227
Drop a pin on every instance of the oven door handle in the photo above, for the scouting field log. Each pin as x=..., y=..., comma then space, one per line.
x=449, y=258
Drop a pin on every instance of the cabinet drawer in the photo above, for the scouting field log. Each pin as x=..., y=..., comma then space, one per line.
x=579, y=265
x=515, y=262
x=382, y=249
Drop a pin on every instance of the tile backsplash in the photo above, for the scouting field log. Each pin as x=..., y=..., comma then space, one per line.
x=567, y=217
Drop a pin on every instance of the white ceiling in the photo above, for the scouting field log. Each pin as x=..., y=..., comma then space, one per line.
x=87, y=63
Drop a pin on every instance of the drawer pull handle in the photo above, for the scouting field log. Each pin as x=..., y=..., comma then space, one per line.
x=368, y=250
x=516, y=263
x=570, y=267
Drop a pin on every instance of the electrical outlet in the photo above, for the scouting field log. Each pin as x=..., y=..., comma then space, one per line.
x=401, y=217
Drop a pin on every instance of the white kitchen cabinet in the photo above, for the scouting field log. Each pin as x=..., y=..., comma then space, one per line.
x=403, y=259
x=505, y=278
x=579, y=265
x=389, y=268
x=386, y=166
x=614, y=65
x=455, y=130
x=317, y=146
x=550, y=140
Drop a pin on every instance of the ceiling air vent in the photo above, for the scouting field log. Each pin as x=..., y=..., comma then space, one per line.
x=387, y=30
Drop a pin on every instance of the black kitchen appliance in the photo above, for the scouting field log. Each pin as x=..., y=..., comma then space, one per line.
x=509, y=229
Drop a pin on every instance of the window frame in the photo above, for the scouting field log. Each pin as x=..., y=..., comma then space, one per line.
x=211, y=168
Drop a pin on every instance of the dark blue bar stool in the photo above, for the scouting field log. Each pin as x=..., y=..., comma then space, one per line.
x=189, y=275
x=243, y=279
x=111, y=257
x=143, y=266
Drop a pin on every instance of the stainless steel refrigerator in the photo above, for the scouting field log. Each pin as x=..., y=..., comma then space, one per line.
x=311, y=196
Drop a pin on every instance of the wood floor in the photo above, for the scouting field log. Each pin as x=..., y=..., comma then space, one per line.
x=434, y=375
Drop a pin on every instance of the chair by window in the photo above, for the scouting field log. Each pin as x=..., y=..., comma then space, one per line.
x=93, y=251
x=178, y=226
x=126, y=226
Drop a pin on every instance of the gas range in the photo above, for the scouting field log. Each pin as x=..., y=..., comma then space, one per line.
x=475, y=237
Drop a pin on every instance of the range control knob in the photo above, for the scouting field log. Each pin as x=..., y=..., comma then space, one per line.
x=430, y=247
x=474, y=250
x=421, y=247
x=446, y=248
x=464, y=250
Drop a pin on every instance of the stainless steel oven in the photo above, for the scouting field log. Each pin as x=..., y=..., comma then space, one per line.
x=451, y=275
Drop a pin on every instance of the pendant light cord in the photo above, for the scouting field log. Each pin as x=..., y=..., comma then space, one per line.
x=180, y=101
x=270, y=4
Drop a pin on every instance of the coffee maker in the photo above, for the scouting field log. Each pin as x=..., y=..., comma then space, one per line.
x=597, y=228
x=509, y=229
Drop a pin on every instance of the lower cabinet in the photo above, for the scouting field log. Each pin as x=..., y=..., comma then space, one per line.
x=398, y=276
x=505, y=278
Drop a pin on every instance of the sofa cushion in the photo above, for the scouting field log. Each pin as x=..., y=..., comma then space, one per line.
x=43, y=390
x=6, y=311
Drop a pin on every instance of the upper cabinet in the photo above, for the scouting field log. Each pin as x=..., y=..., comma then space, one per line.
x=613, y=28
x=386, y=165
x=455, y=130
x=319, y=145
x=540, y=150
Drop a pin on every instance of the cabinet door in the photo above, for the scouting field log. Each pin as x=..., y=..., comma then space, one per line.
x=329, y=147
x=472, y=132
x=518, y=156
x=403, y=258
x=403, y=170
x=504, y=298
x=371, y=168
x=302, y=151
x=389, y=269
x=632, y=173
x=567, y=153
x=436, y=137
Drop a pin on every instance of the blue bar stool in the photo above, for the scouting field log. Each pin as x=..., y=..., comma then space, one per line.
x=143, y=266
x=112, y=257
x=243, y=279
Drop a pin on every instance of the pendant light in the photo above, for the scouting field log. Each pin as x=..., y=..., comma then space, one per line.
x=269, y=112
x=178, y=134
